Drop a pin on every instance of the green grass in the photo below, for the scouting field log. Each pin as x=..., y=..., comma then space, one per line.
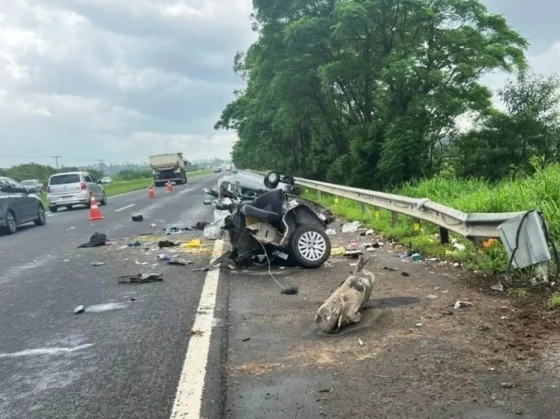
x=119, y=187
x=541, y=192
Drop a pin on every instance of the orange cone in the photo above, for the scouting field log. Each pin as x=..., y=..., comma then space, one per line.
x=94, y=211
x=151, y=193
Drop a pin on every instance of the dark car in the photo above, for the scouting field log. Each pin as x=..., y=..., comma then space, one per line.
x=18, y=206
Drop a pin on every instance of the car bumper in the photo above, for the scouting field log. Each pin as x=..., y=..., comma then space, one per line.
x=64, y=200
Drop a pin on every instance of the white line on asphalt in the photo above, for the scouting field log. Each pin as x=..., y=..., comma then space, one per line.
x=123, y=208
x=188, y=399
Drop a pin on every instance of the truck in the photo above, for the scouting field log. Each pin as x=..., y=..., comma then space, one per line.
x=168, y=167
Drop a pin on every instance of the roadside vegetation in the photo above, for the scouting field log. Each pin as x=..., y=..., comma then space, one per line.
x=387, y=95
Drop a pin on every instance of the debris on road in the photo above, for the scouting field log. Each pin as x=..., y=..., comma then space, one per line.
x=351, y=227
x=97, y=263
x=195, y=243
x=97, y=239
x=140, y=278
x=353, y=253
x=166, y=243
x=137, y=217
x=290, y=290
x=404, y=273
x=338, y=251
x=179, y=261
x=416, y=257
x=460, y=304
x=153, y=225
x=246, y=339
x=331, y=232
x=432, y=296
x=134, y=244
x=345, y=304
x=498, y=287
x=164, y=257
x=79, y=309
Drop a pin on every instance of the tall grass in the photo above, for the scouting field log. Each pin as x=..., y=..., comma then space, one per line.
x=540, y=191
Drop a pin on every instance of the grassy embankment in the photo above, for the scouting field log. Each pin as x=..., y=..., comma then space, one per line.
x=541, y=192
x=120, y=187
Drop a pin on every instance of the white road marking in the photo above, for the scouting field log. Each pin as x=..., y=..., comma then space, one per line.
x=44, y=351
x=188, y=399
x=123, y=208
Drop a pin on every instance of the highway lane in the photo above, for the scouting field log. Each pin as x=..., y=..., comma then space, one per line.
x=122, y=359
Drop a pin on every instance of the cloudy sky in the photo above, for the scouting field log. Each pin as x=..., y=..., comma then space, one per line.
x=121, y=79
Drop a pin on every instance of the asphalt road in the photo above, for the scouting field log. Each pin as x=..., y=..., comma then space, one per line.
x=123, y=357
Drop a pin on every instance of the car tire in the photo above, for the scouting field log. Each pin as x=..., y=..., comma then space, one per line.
x=310, y=246
x=41, y=217
x=104, y=199
x=11, y=223
x=53, y=209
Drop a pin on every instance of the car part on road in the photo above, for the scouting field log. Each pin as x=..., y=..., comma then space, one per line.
x=345, y=304
x=166, y=243
x=97, y=239
x=140, y=278
x=79, y=309
x=137, y=217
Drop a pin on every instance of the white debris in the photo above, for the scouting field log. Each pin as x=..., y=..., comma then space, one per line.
x=460, y=304
x=432, y=296
x=351, y=227
x=331, y=232
x=498, y=287
x=369, y=232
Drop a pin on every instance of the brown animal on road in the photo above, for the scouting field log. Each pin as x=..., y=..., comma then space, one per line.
x=345, y=304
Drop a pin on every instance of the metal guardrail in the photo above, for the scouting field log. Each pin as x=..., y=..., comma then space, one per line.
x=470, y=225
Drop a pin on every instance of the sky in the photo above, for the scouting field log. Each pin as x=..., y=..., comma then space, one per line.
x=119, y=80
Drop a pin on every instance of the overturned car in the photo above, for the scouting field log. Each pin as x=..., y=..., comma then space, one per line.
x=246, y=185
x=276, y=227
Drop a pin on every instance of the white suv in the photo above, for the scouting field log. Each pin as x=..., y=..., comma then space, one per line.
x=73, y=188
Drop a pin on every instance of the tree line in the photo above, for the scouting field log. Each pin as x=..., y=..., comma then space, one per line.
x=369, y=93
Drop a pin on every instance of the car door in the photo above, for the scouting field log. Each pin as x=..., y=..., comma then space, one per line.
x=93, y=186
x=28, y=204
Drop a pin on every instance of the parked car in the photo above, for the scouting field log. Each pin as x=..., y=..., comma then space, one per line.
x=106, y=180
x=18, y=206
x=34, y=185
x=74, y=188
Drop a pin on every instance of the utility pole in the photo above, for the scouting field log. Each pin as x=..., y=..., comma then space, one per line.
x=56, y=159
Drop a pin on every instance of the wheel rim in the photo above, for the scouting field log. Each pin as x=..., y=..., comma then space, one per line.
x=41, y=215
x=312, y=246
x=11, y=221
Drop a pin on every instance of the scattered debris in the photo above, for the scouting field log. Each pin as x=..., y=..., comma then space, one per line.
x=508, y=385
x=97, y=239
x=370, y=232
x=498, y=287
x=153, y=225
x=179, y=261
x=331, y=232
x=338, y=251
x=416, y=257
x=164, y=257
x=290, y=290
x=325, y=390
x=97, y=263
x=135, y=244
x=140, y=278
x=137, y=217
x=195, y=243
x=201, y=225
x=196, y=332
x=361, y=342
x=351, y=227
x=418, y=324
x=246, y=339
x=132, y=299
x=386, y=268
x=79, y=309
x=432, y=296
x=460, y=304
x=353, y=253
x=166, y=243
x=404, y=273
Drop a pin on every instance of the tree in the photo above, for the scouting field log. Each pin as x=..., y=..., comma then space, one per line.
x=508, y=143
x=363, y=91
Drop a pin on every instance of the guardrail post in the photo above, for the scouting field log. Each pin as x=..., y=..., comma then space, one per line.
x=444, y=235
x=394, y=218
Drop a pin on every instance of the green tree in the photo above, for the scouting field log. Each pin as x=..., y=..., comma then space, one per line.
x=363, y=91
x=509, y=143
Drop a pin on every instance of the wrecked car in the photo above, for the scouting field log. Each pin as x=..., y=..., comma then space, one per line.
x=246, y=185
x=277, y=228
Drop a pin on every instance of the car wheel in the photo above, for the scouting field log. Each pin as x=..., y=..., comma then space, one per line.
x=11, y=223
x=53, y=209
x=310, y=246
x=41, y=217
x=104, y=200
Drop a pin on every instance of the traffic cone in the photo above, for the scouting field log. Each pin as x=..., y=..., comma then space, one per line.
x=94, y=211
x=151, y=193
x=169, y=187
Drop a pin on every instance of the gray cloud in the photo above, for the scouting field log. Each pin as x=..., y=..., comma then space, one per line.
x=118, y=80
